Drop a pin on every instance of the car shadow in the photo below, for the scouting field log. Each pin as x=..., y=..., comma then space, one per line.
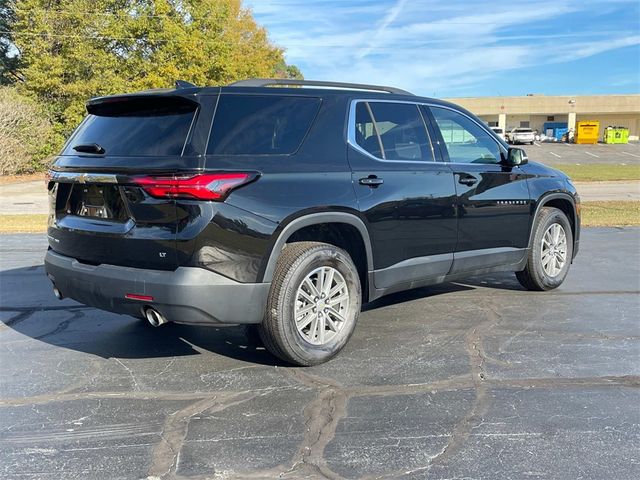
x=72, y=326
x=502, y=281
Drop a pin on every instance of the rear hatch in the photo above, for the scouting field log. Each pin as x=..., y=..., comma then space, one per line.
x=526, y=135
x=103, y=208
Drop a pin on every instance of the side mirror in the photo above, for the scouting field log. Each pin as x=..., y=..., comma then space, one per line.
x=516, y=157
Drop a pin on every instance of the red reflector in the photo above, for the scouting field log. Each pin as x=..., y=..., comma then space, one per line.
x=208, y=186
x=135, y=296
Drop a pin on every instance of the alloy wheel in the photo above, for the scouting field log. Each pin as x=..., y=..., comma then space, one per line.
x=554, y=250
x=321, y=305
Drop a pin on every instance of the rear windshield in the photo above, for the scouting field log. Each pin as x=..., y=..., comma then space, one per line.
x=261, y=125
x=497, y=130
x=524, y=130
x=135, y=127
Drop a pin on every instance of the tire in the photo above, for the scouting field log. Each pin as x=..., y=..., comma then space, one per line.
x=536, y=276
x=280, y=335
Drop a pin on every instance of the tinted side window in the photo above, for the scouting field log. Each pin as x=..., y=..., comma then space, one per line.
x=261, y=125
x=466, y=141
x=366, y=135
x=396, y=131
x=402, y=131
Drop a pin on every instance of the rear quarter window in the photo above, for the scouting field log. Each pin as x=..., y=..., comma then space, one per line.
x=261, y=125
x=136, y=128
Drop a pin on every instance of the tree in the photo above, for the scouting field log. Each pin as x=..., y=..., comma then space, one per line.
x=25, y=134
x=9, y=58
x=72, y=50
x=288, y=71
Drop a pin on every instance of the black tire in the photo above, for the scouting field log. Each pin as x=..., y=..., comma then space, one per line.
x=534, y=277
x=278, y=331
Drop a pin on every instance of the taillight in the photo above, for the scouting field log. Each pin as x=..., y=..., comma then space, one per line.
x=207, y=186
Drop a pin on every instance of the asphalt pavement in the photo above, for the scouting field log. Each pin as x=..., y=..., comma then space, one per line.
x=474, y=380
x=558, y=153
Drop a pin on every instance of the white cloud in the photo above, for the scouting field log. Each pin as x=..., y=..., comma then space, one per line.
x=390, y=16
x=432, y=47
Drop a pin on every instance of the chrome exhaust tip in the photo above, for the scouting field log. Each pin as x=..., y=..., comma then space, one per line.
x=154, y=317
x=57, y=293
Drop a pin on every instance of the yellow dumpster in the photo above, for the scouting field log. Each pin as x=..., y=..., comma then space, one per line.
x=587, y=132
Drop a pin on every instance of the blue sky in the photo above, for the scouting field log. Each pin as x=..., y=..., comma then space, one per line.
x=462, y=48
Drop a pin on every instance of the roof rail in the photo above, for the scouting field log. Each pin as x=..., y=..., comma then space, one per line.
x=184, y=84
x=264, y=82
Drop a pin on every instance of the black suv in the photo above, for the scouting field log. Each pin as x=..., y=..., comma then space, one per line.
x=289, y=203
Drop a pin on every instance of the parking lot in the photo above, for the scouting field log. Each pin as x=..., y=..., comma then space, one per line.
x=468, y=380
x=563, y=153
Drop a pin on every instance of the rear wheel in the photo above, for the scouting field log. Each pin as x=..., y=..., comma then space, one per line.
x=551, y=252
x=313, y=304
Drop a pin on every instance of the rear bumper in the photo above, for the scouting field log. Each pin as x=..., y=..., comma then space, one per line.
x=187, y=295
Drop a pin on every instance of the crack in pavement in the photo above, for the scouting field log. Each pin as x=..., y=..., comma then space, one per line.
x=322, y=415
x=462, y=430
x=321, y=420
x=164, y=460
x=459, y=383
x=61, y=326
x=17, y=318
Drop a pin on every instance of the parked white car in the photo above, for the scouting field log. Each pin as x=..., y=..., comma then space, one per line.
x=499, y=132
x=521, y=135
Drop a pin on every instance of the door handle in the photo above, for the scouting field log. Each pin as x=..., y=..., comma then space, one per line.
x=371, y=181
x=468, y=180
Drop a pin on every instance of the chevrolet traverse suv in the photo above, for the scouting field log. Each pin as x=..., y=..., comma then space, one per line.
x=287, y=204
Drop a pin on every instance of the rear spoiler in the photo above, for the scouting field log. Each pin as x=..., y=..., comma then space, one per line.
x=144, y=103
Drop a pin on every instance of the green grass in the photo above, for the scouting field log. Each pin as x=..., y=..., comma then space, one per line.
x=611, y=213
x=594, y=172
x=23, y=223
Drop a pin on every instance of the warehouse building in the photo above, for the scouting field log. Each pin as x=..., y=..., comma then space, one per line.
x=534, y=111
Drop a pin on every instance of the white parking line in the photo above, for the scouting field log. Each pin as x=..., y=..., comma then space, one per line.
x=536, y=144
x=589, y=153
x=555, y=154
x=632, y=154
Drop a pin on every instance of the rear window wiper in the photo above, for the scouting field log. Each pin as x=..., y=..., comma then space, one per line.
x=89, y=148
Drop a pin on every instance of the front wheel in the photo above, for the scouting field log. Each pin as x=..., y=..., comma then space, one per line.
x=313, y=304
x=551, y=252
